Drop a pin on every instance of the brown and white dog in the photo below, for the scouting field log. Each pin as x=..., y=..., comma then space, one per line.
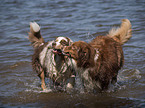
x=99, y=61
x=48, y=61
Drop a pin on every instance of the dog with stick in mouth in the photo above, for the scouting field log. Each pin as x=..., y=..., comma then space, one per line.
x=99, y=61
x=48, y=60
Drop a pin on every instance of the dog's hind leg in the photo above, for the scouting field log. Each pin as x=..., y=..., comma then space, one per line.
x=42, y=77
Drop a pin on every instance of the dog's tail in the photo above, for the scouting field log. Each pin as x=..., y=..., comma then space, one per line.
x=34, y=35
x=123, y=33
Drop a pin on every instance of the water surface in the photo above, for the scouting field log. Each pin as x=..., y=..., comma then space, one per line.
x=78, y=20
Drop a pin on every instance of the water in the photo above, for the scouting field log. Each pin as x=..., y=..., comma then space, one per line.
x=20, y=86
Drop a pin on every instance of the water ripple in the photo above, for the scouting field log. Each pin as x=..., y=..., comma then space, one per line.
x=79, y=20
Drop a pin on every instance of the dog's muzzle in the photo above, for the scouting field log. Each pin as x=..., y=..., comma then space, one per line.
x=66, y=54
x=57, y=51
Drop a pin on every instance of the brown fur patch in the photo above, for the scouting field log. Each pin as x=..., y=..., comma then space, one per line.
x=36, y=65
x=107, y=65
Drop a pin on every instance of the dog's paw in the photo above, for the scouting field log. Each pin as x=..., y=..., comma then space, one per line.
x=46, y=91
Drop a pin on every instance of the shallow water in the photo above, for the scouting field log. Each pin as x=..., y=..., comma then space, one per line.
x=20, y=86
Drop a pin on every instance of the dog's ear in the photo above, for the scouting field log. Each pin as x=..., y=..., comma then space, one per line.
x=83, y=56
x=69, y=41
x=86, y=56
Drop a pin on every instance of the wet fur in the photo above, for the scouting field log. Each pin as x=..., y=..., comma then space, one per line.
x=44, y=55
x=99, y=61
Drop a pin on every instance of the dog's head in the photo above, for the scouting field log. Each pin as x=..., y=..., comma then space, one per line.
x=60, y=43
x=81, y=52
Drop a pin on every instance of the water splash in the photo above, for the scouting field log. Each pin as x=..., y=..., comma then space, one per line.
x=35, y=87
x=129, y=75
x=125, y=77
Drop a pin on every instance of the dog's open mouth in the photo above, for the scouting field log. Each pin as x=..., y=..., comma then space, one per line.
x=57, y=51
x=66, y=54
x=60, y=52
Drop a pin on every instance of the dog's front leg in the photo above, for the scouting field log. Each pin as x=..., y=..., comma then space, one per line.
x=42, y=77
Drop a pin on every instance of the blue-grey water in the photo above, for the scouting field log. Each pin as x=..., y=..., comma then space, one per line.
x=78, y=20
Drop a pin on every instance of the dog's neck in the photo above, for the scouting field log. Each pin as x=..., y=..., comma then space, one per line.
x=59, y=59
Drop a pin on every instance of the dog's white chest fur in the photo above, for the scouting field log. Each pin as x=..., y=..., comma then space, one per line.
x=47, y=59
x=54, y=64
x=45, y=51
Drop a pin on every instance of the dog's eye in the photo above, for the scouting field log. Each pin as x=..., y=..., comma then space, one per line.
x=64, y=43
